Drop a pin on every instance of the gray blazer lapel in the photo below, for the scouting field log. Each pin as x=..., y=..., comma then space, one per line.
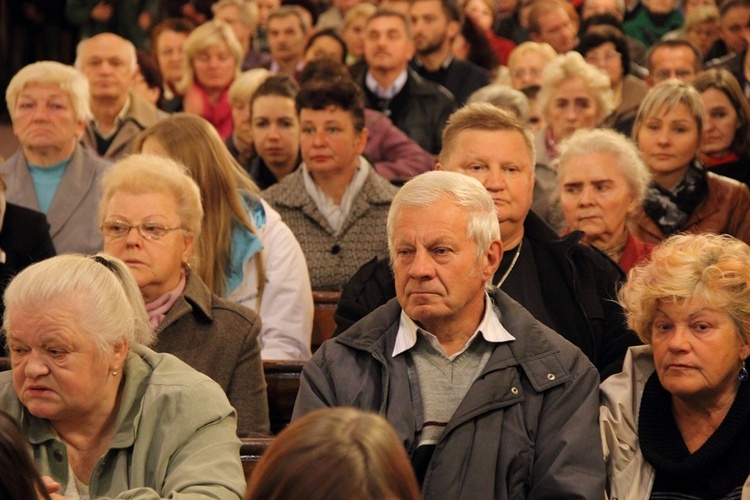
x=76, y=182
x=20, y=186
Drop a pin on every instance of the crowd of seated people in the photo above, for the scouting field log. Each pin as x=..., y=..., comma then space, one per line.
x=532, y=219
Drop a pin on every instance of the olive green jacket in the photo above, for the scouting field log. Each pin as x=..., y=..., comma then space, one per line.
x=174, y=436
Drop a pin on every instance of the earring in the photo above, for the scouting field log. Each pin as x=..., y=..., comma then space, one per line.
x=743, y=373
x=114, y=373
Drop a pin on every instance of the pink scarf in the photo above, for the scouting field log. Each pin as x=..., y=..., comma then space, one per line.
x=159, y=308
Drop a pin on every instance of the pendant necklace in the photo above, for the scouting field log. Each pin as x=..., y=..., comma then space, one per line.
x=513, y=263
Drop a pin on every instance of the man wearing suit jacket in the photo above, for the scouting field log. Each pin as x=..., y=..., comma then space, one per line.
x=51, y=173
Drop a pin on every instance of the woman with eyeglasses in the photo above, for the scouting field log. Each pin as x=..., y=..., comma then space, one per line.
x=151, y=216
x=574, y=95
x=607, y=48
x=526, y=64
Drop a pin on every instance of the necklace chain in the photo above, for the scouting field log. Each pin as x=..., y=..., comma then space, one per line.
x=513, y=263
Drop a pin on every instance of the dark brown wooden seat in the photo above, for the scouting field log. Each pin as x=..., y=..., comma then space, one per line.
x=323, y=323
x=4, y=363
x=251, y=451
x=282, y=381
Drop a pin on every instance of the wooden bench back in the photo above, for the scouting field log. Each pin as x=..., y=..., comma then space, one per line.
x=282, y=385
x=323, y=323
x=251, y=451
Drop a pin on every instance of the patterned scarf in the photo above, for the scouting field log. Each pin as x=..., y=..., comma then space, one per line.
x=671, y=208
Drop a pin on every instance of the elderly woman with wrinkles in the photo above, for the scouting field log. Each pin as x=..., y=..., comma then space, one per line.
x=104, y=415
x=574, y=95
x=601, y=180
x=150, y=216
x=52, y=173
x=607, y=48
x=683, y=196
x=674, y=422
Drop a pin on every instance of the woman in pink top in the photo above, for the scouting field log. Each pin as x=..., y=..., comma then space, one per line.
x=212, y=62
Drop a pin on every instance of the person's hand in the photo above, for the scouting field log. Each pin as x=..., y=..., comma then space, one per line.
x=102, y=12
x=52, y=488
x=192, y=101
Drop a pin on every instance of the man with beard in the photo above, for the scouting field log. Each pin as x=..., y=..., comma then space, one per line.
x=436, y=23
x=418, y=107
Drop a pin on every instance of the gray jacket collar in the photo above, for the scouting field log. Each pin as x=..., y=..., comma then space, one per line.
x=76, y=179
x=532, y=350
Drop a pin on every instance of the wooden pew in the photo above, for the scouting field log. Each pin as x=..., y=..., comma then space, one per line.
x=4, y=363
x=251, y=451
x=282, y=381
x=323, y=323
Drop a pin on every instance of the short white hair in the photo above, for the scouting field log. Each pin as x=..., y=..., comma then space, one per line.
x=102, y=284
x=70, y=81
x=128, y=46
x=628, y=158
x=468, y=193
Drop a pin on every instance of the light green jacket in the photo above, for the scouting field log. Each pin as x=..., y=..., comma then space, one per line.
x=174, y=437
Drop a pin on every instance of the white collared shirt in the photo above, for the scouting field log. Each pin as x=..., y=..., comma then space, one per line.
x=275, y=68
x=336, y=214
x=490, y=328
x=392, y=91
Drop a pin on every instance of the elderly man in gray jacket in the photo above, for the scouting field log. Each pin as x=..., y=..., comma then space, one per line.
x=489, y=402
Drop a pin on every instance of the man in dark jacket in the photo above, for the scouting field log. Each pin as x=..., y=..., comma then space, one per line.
x=566, y=285
x=488, y=402
x=416, y=106
x=436, y=24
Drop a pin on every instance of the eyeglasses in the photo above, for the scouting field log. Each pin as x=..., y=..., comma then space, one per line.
x=149, y=230
x=523, y=73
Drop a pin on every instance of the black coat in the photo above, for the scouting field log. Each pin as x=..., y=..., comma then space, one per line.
x=420, y=110
x=24, y=239
x=578, y=285
x=460, y=77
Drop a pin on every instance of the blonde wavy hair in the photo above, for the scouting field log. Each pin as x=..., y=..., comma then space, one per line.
x=571, y=65
x=709, y=267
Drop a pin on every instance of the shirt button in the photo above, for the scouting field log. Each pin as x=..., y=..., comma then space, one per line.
x=58, y=455
x=550, y=376
x=335, y=249
x=514, y=390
